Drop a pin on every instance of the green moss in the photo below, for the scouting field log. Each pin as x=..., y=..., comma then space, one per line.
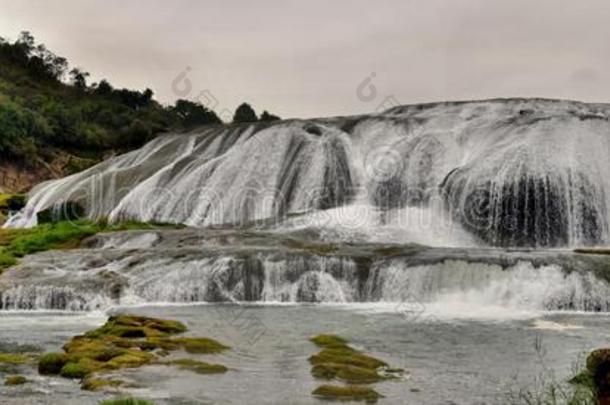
x=15, y=243
x=347, y=373
x=74, y=370
x=96, y=349
x=329, y=341
x=197, y=345
x=52, y=363
x=127, y=341
x=347, y=393
x=13, y=358
x=348, y=356
x=129, y=326
x=583, y=378
x=198, y=367
x=15, y=380
x=200, y=345
x=131, y=359
x=339, y=361
x=126, y=401
x=98, y=384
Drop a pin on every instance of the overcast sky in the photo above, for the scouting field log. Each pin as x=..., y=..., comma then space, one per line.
x=308, y=57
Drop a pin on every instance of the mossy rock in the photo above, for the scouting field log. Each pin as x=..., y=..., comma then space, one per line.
x=13, y=358
x=347, y=393
x=598, y=369
x=195, y=345
x=597, y=358
x=96, y=349
x=346, y=355
x=332, y=341
x=131, y=359
x=129, y=326
x=15, y=380
x=75, y=370
x=127, y=341
x=52, y=363
x=347, y=373
x=198, y=367
x=100, y=384
x=199, y=345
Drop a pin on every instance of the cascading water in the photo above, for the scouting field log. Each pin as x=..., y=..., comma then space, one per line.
x=339, y=211
x=180, y=267
x=500, y=173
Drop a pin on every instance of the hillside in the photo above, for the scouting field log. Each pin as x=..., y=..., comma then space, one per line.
x=53, y=123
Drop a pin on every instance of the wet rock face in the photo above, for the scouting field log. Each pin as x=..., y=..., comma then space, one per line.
x=526, y=211
x=598, y=366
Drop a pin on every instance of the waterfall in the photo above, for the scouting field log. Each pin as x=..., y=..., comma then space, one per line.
x=499, y=173
x=116, y=274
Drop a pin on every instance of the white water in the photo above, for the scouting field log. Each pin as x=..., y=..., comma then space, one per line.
x=500, y=173
x=456, y=288
x=503, y=173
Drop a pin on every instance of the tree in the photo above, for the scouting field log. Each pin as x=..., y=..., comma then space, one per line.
x=147, y=96
x=245, y=113
x=192, y=114
x=104, y=88
x=79, y=78
x=27, y=42
x=265, y=116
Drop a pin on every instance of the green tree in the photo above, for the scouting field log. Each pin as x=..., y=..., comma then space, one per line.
x=245, y=113
x=191, y=114
x=104, y=88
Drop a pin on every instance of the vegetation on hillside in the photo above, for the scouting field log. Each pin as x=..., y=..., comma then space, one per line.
x=16, y=243
x=45, y=106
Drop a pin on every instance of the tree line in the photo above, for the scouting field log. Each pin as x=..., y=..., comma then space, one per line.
x=45, y=104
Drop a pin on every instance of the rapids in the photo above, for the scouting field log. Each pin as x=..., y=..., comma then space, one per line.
x=227, y=266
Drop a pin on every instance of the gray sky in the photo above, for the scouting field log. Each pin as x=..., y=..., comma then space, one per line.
x=307, y=58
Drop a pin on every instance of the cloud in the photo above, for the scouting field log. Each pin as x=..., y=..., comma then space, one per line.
x=306, y=58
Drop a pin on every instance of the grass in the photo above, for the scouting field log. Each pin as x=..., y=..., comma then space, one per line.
x=16, y=243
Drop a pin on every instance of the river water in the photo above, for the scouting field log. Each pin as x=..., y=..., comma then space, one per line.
x=470, y=360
